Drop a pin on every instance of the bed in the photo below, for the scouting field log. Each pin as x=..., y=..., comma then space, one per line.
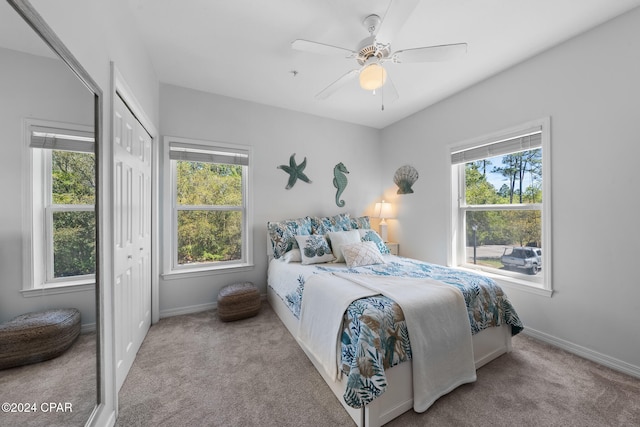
x=355, y=322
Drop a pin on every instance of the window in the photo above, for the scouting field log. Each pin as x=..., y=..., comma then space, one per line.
x=501, y=205
x=63, y=226
x=209, y=205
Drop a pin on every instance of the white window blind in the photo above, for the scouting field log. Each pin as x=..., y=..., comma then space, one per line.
x=529, y=141
x=198, y=153
x=59, y=139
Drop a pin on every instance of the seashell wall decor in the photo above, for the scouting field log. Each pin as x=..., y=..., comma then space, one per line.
x=404, y=178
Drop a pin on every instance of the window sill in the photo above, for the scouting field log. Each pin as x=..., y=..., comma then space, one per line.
x=64, y=288
x=513, y=282
x=206, y=271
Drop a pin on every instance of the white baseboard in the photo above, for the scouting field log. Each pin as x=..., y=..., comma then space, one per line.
x=195, y=308
x=188, y=310
x=589, y=354
x=87, y=327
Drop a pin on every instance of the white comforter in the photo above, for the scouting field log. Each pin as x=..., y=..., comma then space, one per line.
x=326, y=298
x=436, y=318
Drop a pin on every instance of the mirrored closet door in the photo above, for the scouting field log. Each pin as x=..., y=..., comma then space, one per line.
x=49, y=248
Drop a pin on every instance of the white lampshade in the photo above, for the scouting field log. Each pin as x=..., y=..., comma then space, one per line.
x=373, y=76
x=383, y=210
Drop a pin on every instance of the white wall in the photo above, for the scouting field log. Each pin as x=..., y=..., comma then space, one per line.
x=98, y=33
x=590, y=87
x=274, y=134
x=38, y=88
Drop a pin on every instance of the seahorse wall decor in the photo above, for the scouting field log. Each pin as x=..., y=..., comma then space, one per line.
x=340, y=181
x=295, y=171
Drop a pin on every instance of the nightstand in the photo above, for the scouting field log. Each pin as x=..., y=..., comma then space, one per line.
x=394, y=248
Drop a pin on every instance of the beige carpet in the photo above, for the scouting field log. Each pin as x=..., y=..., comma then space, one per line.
x=195, y=370
x=69, y=379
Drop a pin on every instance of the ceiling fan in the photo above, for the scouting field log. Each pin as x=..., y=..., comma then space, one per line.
x=375, y=50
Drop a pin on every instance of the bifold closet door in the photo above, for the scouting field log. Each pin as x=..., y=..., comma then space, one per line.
x=132, y=230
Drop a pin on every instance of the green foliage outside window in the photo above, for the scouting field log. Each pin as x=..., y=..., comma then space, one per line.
x=74, y=249
x=73, y=178
x=522, y=173
x=210, y=206
x=74, y=229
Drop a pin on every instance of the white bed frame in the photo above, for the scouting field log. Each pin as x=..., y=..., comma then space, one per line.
x=398, y=398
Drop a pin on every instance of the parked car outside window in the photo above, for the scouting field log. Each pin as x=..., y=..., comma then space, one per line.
x=527, y=258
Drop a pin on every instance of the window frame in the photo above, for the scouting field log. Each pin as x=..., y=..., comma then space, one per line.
x=457, y=245
x=39, y=209
x=171, y=268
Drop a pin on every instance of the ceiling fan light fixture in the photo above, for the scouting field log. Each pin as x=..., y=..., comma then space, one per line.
x=373, y=76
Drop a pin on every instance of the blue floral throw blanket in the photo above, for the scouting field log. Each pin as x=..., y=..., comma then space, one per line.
x=374, y=335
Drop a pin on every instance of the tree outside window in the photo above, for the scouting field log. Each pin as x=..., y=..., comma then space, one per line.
x=207, y=205
x=62, y=231
x=209, y=208
x=501, y=188
x=72, y=213
x=503, y=197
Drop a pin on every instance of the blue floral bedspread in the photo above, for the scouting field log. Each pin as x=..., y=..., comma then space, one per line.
x=375, y=337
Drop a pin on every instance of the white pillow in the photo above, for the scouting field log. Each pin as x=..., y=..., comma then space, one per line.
x=314, y=249
x=340, y=238
x=362, y=253
x=292, y=256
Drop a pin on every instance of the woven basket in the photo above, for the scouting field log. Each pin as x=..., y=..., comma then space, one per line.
x=238, y=301
x=38, y=336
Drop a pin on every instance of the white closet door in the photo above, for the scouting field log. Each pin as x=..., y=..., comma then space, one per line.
x=132, y=229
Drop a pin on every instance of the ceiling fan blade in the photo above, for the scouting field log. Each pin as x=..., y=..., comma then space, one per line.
x=321, y=48
x=389, y=92
x=335, y=86
x=431, y=53
x=394, y=18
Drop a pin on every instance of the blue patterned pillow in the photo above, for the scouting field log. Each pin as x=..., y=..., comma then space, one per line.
x=360, y=222
x=368, y=235
x=282, y=234
x=314, y=249
x=340, y=222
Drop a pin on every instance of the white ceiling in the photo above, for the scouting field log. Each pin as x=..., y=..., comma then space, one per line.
x=242, y=48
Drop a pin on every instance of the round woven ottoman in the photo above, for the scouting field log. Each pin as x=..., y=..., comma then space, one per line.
x=238, y=301
x=35, y=337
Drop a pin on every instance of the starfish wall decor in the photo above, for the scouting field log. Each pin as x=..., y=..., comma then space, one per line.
x=295, y=171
